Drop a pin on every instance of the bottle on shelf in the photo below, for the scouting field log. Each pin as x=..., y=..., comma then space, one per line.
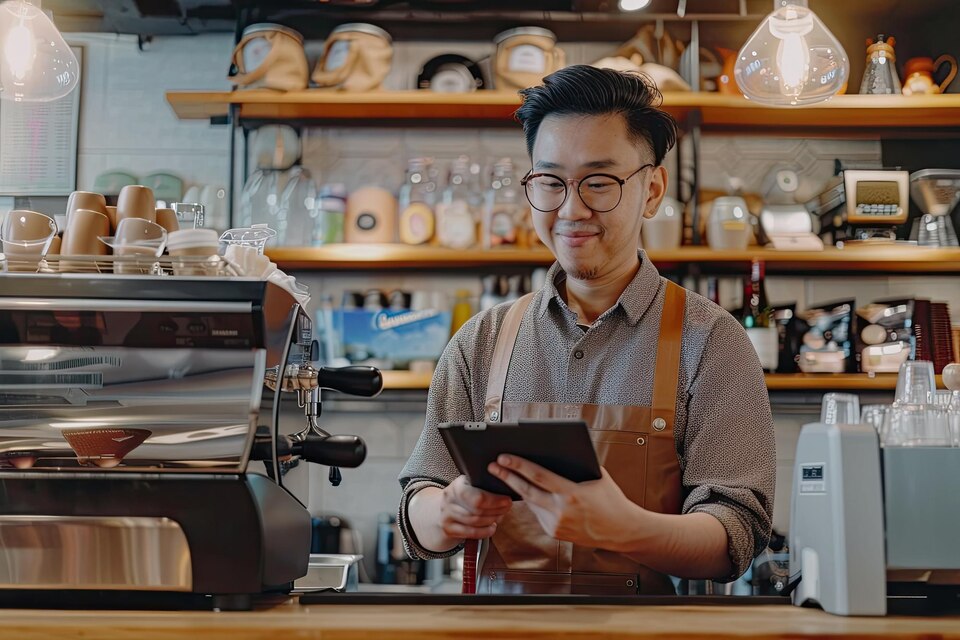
x=713, y=290
x=505, y=208
x=491, y=292
x=417, y=199
x=757, y=320
x=462, y=310
x=456, y=218
x=330, y=211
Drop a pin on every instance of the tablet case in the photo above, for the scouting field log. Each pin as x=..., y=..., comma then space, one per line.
x=562, y=446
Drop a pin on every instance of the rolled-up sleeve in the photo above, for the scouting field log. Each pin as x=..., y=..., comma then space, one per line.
x=430, y=464
x=728, y=449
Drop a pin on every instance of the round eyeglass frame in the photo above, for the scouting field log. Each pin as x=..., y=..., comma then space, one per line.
x=566, y=187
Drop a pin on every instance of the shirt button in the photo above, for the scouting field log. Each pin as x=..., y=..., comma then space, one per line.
x=578, y=354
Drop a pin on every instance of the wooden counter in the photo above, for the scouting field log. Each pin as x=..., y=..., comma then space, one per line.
x=288, y=620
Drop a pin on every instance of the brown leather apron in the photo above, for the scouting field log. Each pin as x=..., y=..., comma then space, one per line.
x=634, y=444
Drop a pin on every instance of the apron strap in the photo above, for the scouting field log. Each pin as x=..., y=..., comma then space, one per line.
x=667, y=367
x=497, y=377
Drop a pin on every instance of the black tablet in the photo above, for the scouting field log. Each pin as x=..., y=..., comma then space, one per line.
x=562, y=446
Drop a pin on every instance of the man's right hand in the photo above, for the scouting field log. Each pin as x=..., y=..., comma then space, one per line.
x=467, y=512
x=444, y=518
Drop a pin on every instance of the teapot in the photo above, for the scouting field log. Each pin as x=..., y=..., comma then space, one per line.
x=918, y=75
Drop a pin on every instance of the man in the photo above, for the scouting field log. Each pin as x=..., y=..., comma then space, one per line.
x=668, y=382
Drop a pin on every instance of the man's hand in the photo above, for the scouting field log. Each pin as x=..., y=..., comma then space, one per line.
x=467, y=512
x=588, y=513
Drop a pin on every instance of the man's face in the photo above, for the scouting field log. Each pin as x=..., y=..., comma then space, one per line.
x=589, y=244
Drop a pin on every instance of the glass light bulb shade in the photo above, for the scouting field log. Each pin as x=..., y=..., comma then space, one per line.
x=791, y=59
x=36, y=64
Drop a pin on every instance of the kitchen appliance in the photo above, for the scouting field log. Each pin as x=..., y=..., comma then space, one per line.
x=863, y=205
x=872, y=526
x=936, y=192
x=142, y=455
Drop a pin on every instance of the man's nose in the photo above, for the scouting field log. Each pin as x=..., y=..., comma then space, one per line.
x=573, y=207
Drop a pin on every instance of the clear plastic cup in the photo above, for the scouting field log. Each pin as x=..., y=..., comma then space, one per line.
x=917, y=425
x=915, y=382
x=840, y=408
x=255, y=236
x=873, y=414
x=135, y=244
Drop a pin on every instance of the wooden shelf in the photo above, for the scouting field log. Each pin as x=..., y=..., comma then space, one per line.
x=719, y=112
x=864, y=259
x=408, y=380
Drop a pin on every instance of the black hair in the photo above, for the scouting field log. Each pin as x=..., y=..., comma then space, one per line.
x=588, y=91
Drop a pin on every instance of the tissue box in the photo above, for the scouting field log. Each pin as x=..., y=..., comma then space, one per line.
x=395, y=336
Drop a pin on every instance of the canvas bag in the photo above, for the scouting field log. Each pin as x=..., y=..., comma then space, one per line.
x=356, y=57
x=270, y=56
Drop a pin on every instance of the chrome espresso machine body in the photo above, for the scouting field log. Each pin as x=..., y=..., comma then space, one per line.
x=140, y=444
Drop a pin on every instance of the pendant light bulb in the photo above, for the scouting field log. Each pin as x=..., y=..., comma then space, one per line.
x=633, y=5
x=791, y=59
x=36, y=65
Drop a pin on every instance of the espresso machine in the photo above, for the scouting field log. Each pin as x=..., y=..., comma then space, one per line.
x=141, y=448
x=873, y=529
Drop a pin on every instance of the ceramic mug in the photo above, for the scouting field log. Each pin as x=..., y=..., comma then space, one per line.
x=26, y=237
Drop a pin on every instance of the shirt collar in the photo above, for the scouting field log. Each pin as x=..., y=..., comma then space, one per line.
x=635, y=299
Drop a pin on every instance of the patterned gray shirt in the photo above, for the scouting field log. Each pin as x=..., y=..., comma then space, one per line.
x=723, y=429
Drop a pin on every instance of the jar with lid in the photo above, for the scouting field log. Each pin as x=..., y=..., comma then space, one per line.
x=331, y=210
x=505, y=208
x=417, y=198
x=456, y=216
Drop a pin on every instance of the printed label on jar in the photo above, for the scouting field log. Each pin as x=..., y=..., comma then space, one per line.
x=503, y=231
x=527, y=58
x=416, y=223
x=366, y=221
x=456, y=226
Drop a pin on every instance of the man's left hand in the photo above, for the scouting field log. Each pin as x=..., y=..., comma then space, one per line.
x=587, y=513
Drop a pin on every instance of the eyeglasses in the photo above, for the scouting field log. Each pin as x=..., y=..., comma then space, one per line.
x=600, y=192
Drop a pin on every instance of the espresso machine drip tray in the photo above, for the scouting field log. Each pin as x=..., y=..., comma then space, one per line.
x=937, y=193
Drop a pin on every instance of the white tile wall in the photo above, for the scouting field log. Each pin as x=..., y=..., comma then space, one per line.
x=127, y=124
x=125, y=121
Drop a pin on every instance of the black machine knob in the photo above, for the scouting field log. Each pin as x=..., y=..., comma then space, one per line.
x=332, y=451
x=354, y=381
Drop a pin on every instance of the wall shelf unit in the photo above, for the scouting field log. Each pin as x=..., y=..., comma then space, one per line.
x=844, y=115
x=884, y=259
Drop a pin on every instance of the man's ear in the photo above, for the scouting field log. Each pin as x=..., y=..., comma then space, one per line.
x=656, y=192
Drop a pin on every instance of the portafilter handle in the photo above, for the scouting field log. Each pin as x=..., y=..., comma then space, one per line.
x=356, y=380
x=332, y=451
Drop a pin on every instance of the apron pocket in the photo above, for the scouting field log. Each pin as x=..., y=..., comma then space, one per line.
x=624, y=455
